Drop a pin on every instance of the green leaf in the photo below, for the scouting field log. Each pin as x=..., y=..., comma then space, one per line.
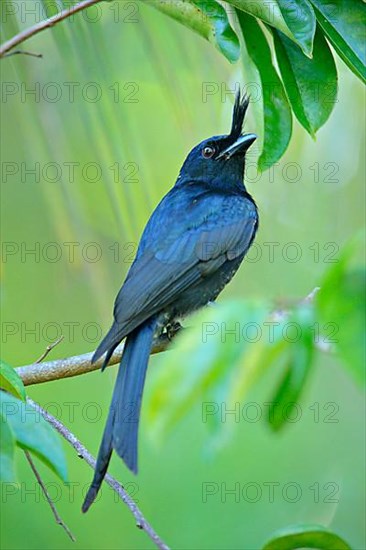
x=343, y=22
x=305, y=536
x=295, y=19
x=221, y=33
x=276, y=109
x=208, y=19
x=341, y=304
x=10, y=381
x=311, y=84
x=7, y=450
x=300, y=19
x=33, y=433
x=300, y=353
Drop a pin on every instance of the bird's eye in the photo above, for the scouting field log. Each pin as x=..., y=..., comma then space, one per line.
x=208, y=151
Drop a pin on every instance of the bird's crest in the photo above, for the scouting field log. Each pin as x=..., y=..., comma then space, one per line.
x=240, y=108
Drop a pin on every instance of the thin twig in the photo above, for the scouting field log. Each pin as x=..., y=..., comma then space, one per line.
x=42, y=25
x=141, y=522
x=57, y=517
x=48, y=349
x=23, y=52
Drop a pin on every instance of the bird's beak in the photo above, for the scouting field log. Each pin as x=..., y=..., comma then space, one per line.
x=241, y=145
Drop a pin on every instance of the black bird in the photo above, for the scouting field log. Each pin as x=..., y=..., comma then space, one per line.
x=191, y=247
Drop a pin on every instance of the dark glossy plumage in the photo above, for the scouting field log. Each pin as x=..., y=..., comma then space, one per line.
x=191, y=247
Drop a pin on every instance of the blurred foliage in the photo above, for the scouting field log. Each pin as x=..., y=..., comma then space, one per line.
x=160, y=89
x=231, y=345
x=345, y=308
x=298, y=358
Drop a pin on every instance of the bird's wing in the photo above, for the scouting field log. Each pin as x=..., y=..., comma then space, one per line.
x=157, y=279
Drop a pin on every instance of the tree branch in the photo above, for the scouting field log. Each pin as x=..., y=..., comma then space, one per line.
x=141, y=522
x=42, y=25
x=37, y=373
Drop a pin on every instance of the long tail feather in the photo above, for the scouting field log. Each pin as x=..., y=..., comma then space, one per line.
x=121, y=430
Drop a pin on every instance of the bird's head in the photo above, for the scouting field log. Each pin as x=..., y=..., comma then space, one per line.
x=219, y=161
